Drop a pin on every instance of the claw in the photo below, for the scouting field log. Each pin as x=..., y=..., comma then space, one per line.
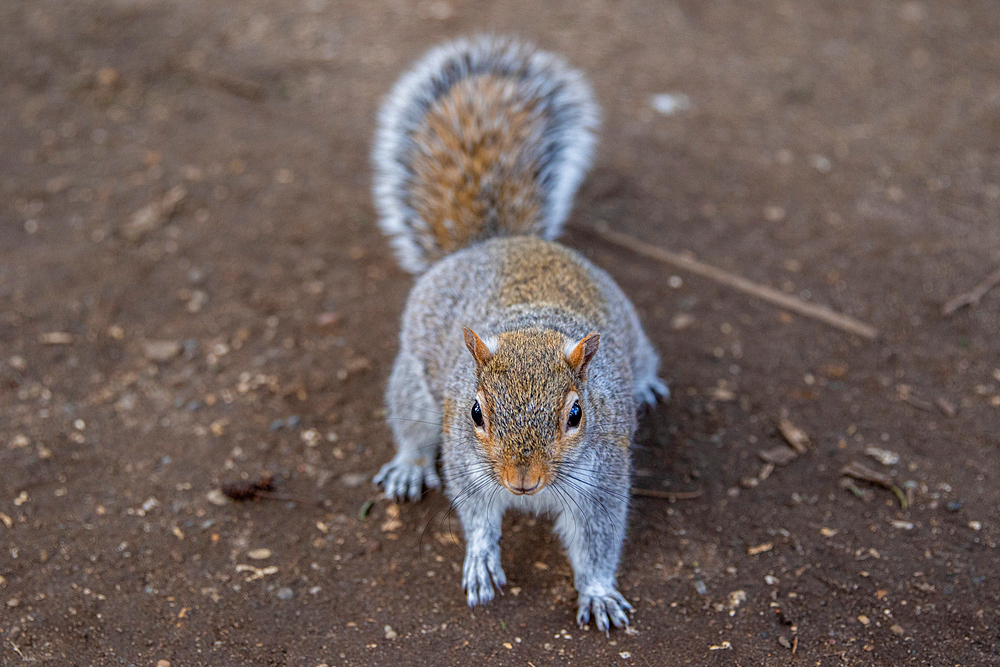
x=607, y=610
x=480, y=575
x=403, y=480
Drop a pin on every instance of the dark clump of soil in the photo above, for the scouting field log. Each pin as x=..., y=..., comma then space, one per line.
x=193, y=292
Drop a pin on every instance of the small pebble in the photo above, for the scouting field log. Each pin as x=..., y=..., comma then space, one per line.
x=670, y=103
x=354, y=479
x=390, y=633
x=161, y=350
x=953, y=506
x=285, y=593
x=259, y=554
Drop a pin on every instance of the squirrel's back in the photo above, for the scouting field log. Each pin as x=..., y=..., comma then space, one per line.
x=483, y=138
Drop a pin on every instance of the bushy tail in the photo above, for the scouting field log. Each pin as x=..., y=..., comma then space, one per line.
x=483, y=137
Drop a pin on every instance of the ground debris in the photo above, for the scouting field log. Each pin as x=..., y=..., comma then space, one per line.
x=972, y=297
x=151, y=216
x=257, y=572
x=779, y=455
x=244, y=491
x=883, y=456
x=161, y=350
x=947, y=407
x=55, y=338
x=904, y=392
x=795, y=436
x=760, y=548
x=862, y=472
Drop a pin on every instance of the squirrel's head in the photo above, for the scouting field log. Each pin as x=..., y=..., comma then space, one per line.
x=529, y=409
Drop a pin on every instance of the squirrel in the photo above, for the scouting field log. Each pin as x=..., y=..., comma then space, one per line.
x=520, y=361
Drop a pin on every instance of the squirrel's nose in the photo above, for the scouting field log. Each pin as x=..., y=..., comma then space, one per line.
x=524, y=481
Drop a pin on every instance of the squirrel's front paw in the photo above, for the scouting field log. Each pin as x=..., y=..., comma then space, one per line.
x=605, y=608
x=405, y=479
x=652, y=391
x=480, y=574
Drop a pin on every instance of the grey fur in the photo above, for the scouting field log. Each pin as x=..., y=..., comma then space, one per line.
x=434, y=384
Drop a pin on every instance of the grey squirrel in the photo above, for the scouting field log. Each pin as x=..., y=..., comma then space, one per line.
x=519, y=360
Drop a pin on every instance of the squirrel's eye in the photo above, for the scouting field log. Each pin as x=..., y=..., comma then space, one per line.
x=477, y=414
x=575, y=413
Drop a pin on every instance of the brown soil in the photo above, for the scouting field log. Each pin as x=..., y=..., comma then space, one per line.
x=194, y=292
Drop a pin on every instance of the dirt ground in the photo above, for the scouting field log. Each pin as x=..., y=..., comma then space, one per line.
x=194, y=293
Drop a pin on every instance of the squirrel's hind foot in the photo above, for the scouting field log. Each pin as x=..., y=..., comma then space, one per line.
x=607, y=610
x=405, y=479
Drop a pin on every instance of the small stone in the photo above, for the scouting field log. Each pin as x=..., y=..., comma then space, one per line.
x=216, y=497
x=353, y=479
x=864, y=620
x=327, y=319
x=390, y=633
x=161, y=350
x=108, y=77
x=285, y=593
x=670, y=103
x=896, y=629
x=259, y=554
x=55, y=338
x=681, y=321
x=779, y=456
x=821, y=163
x=162, y=663
x=883, y=456
x=976, y=525
x=774, y=213
x=953, y=506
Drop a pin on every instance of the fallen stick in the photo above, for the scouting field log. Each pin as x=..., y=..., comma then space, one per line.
x=972, y=297
x=667, y=495
x=825, y=315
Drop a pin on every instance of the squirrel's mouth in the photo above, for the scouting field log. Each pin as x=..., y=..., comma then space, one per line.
x=525, y=491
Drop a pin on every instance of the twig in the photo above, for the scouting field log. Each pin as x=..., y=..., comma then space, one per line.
x=972, y=297
x=18, y=651
x=668, y=495
x=825, y=315
x=863, y=472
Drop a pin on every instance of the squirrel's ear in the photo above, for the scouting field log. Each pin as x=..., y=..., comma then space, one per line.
x=578, y=355
x=480, y=350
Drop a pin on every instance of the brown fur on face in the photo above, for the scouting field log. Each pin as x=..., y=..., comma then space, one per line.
x=523, y=390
